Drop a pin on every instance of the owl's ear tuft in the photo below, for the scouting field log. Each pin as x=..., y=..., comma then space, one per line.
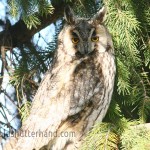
x=69, y=15
x=100, y=16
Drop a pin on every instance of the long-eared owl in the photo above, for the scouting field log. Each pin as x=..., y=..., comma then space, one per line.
x=77, y=90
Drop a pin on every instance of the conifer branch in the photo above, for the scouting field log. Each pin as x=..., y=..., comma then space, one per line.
x=19, y=32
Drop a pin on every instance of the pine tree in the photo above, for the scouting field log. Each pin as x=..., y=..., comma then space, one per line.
x=128, y=22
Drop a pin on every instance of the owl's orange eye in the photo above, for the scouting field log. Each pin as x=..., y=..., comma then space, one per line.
x=75, y=40
x=95, y=39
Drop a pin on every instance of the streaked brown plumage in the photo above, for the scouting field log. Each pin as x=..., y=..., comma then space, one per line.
x=77, y=90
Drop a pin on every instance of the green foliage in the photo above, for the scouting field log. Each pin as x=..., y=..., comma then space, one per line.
x=144, y=109
x=123, y=78
x=124, y=27
x=31, y=21
x=86, y=8
x=102, y=136
x=13, y=7
x=109, y=136
x=126, y=24
x=45, y=8
x=30, y=10
x=135, y=138
x=22, y=80
x=25, y=110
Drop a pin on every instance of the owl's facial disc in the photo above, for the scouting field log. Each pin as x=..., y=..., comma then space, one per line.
x=84, y=37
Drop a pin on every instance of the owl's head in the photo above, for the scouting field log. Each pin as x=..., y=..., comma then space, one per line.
x=81, y=36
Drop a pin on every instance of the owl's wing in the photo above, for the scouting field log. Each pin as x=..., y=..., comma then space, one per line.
x=64, y=92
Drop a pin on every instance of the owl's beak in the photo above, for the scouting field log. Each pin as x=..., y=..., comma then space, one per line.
x=85, y=49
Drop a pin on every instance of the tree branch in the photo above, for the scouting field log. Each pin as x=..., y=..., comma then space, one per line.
x=19, y=33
